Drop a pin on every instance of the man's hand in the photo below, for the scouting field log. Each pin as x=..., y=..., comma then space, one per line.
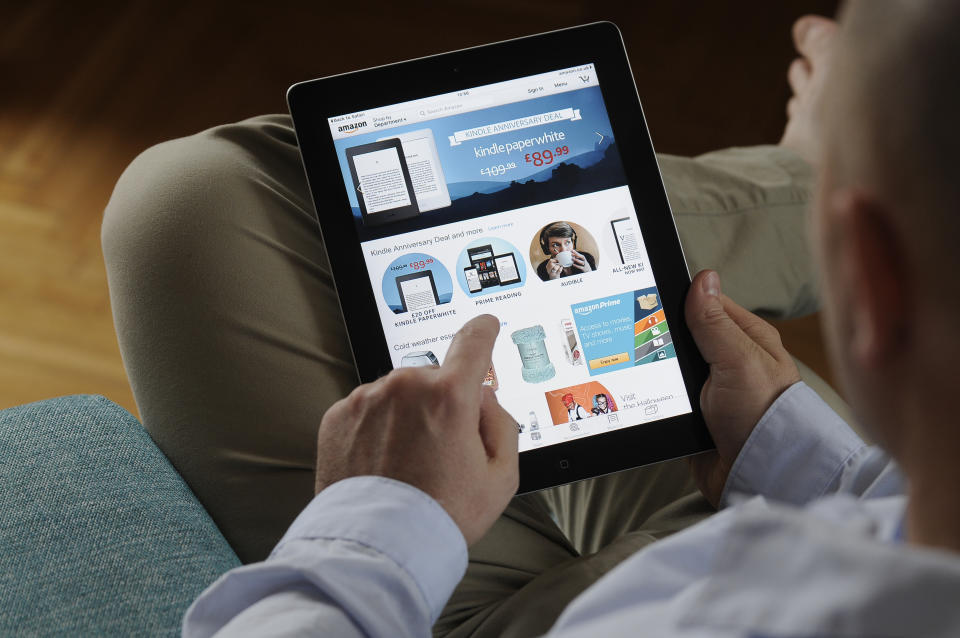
x=749, y=369
x=436, y=428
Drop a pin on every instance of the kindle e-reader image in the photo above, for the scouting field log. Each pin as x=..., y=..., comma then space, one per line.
x=506, y=266
x=628, y=239
x=426, y=173
x=382, y=181
x=418, y=291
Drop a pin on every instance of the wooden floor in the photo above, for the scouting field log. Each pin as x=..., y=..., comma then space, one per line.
x=85, y=86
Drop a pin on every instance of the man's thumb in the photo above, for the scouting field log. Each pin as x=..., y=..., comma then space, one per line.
x=718, y=337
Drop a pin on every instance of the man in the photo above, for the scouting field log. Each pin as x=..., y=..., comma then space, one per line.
x=231, y=336
x=222, y=311
x=864, y=561
x=559, y=242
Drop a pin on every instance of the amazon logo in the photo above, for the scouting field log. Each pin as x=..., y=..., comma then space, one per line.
x=352, y=127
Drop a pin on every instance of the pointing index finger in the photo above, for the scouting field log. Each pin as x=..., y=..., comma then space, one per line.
x=469, y=355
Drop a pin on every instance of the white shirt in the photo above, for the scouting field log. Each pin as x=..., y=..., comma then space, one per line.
x=813, y=548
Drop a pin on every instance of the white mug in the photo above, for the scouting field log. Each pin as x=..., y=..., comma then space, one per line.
x=565, y=257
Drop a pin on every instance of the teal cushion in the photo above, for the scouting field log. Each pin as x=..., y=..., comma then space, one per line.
x=99, y=535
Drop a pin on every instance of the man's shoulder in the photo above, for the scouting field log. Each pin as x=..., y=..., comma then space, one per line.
x=837, y=560
x=761, y=568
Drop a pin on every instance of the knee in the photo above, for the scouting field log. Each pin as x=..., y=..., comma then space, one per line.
x=168, y=201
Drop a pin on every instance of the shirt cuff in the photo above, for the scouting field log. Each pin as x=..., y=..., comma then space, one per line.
x=397, y=520
x=796, y=453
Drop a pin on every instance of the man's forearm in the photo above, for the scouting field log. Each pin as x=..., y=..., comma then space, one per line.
x=368, y=557
x=800, y=450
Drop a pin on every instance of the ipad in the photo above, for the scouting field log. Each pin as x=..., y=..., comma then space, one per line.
x=516, y=179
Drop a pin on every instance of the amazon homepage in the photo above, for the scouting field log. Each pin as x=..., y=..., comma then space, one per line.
x=515, y=204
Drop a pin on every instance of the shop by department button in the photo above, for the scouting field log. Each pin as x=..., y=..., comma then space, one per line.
x=609, y=360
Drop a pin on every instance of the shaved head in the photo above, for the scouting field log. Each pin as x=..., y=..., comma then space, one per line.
x=892, y=117
x=887, y=221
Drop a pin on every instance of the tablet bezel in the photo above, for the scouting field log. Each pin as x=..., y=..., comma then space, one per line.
x=311, y=103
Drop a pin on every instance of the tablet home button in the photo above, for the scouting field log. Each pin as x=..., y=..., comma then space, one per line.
x=564, y=464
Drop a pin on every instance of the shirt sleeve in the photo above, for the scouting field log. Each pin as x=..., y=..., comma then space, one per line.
x=369, y=556
x=801, y=449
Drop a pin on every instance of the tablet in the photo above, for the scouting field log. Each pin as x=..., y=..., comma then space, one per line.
x=516, y=179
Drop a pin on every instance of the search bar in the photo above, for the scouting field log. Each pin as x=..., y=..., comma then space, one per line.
x=431, y=110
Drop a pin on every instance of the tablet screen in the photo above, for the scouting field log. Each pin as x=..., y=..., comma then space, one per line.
x=524, y=213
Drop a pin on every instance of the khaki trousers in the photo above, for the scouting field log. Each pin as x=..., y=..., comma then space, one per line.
x=232, y=338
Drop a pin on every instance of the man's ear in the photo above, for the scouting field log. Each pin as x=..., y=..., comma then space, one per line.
x=877, y=279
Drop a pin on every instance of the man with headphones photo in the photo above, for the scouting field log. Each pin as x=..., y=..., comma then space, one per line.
x=559, y=242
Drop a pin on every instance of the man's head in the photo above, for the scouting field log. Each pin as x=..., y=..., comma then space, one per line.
x=567, y=400
x=887, y=216
x=601, y=400
x=557, y=237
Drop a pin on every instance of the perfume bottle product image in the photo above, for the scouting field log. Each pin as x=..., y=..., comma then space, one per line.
x=533, y=354
x=491, y=378
x=534, y=423
x=570, y=343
